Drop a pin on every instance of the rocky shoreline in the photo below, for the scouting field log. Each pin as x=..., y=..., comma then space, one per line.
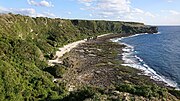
x=93, y=62
x=97, y=63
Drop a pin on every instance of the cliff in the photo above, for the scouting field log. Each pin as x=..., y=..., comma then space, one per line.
x=26, y=43
x=92, y=26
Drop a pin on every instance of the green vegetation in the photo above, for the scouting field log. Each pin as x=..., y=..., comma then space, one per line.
x=57, y=71
x=143, y=90
x=129, y=92
x=27, y=43
x=81, y=94
x=91, y=26
x=174, y=92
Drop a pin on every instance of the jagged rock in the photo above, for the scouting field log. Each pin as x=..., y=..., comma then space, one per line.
x=116, y=92
x=89, y=51
x=119, y=77
x=92, y=55
x=99, y=50
x=97, y=72
x=81, y=56
x=71, y=88
x=82, y=51
x=110, y=63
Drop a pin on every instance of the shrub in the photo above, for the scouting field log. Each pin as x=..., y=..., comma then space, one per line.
x=80, y=95
x=142, y=90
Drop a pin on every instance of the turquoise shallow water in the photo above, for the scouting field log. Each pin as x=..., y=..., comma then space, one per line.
x=158, y=55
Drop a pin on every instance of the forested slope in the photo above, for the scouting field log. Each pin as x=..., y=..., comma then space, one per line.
x=27, y=43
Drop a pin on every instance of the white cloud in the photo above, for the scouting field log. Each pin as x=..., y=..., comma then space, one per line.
x=90, y=15
x=171, y=12
x=174, y=12
x=27, y=11
x=69, y=13
x=136, y=10
x=85, y=0
x=169, y=1
x=48, y=14
x=4, y=10
x=43, y=3
x=32, y=2
x=167, y=17
x=123, y=10
x=115, y=10
x=150, y=14
x=24, y=11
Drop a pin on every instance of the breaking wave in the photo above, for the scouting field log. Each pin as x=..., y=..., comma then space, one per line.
x=130, y=58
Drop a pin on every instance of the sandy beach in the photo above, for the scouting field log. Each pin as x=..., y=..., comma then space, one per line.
x=63, y=50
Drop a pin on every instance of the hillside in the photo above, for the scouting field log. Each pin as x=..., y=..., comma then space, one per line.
x=27, y=43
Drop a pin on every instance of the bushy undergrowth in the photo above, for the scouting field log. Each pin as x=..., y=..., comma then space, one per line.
x=143, y=90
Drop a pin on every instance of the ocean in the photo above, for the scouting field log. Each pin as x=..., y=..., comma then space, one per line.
x=157, y=55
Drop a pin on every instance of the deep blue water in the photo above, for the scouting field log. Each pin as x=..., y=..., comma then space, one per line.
x=161, y=52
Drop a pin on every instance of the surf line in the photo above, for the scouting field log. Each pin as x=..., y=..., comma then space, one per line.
x=132, y=60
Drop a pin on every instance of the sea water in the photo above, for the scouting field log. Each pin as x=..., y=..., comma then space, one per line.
x=157, y=55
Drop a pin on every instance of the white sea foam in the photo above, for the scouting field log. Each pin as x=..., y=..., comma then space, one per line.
x=158, y=33
x=117, y=39
x=132, y=60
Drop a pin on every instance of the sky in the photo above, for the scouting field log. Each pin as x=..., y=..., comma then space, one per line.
x=151, y=12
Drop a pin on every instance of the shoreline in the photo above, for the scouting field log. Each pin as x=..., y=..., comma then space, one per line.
x=67, y=48
x=83, y=54
x=98, y=64
x=128, y=50
x=63, y=50
x=75, y=53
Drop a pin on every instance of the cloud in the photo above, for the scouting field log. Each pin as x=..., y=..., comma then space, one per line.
x=171, y=12
x=24, y=11
x=86, y=2
x=150, y=14
x=46, y=4
x=90, y=15
x=170, y=1
x=174, y=12
x=69, y=13
x=42, y=3
x=48, y=14
x=115, y=10
x=167, y=17
x=136, y=10
x=32, y=2
x=27, y=11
